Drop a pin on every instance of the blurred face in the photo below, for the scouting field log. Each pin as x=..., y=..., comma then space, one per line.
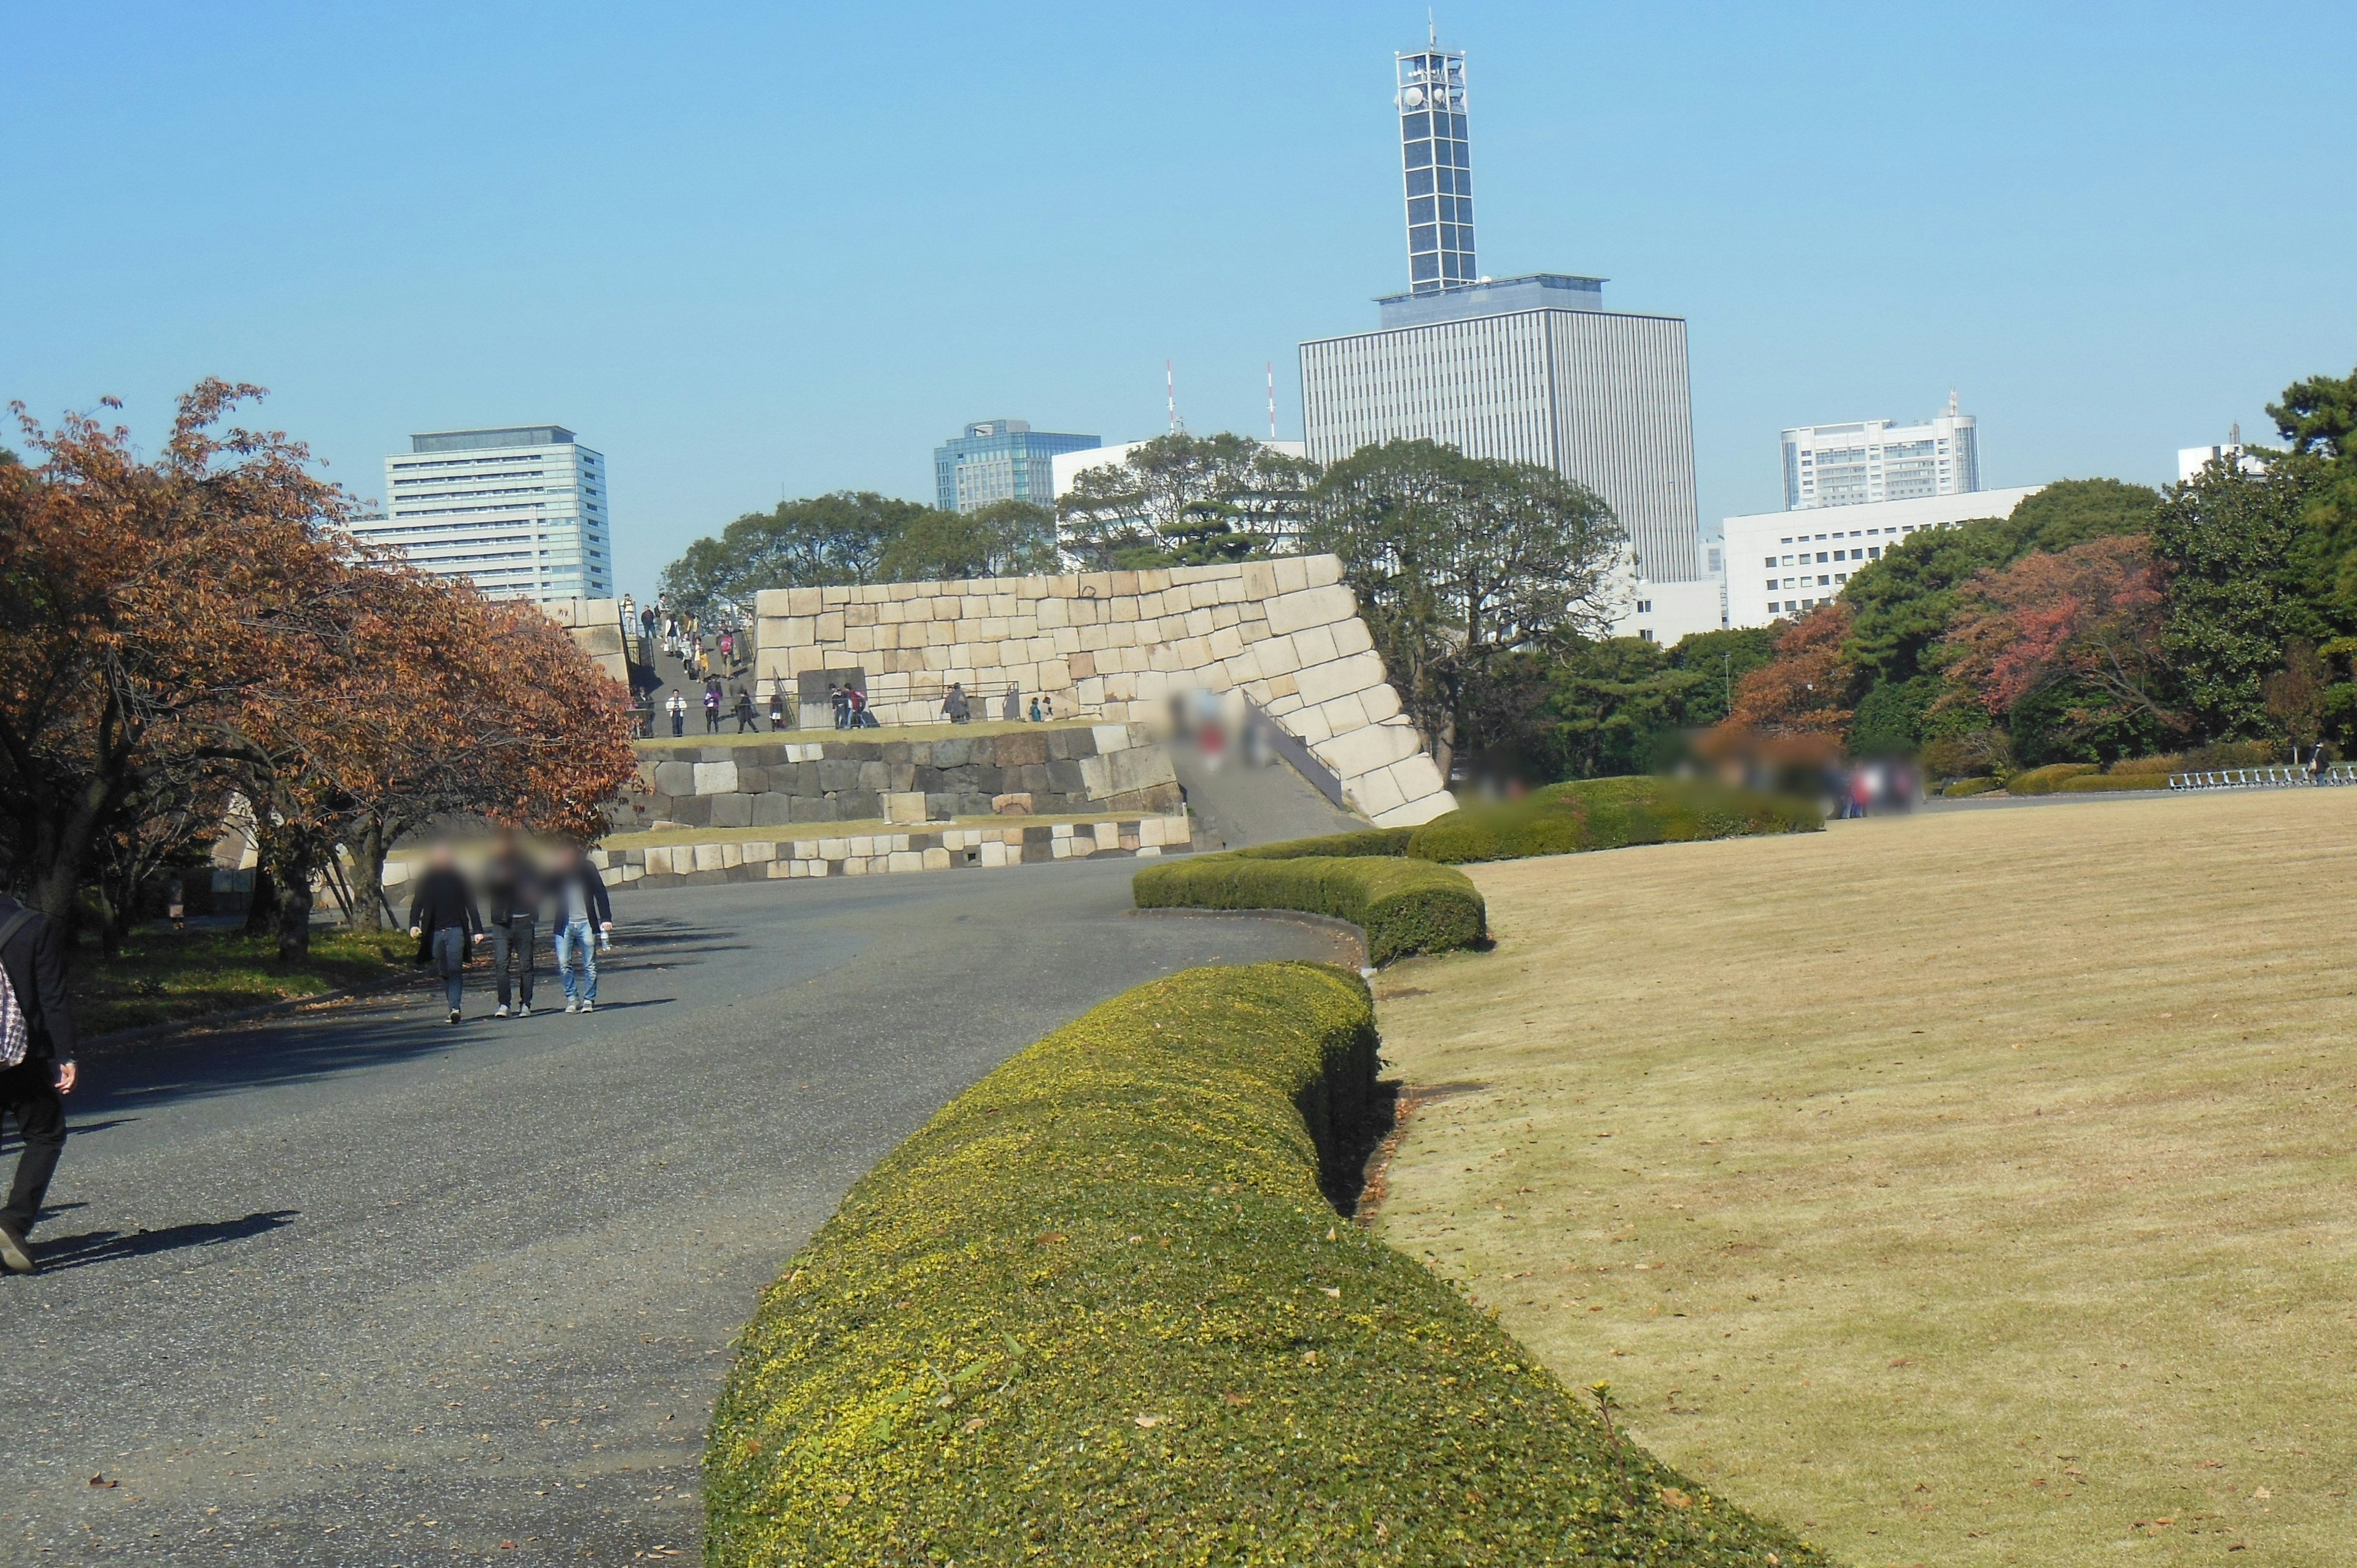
x=441, y=859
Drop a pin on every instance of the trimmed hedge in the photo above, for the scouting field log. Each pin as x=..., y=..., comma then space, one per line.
x=1404, y=906
x=1098, y=1311
x=1964, y=788
x=2097, y=783
x=2047, y=779
x=1608, y=813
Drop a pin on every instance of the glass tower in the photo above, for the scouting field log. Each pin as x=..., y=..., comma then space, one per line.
x=1438, y=169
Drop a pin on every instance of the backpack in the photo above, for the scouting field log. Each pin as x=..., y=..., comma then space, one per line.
x=15, y=1036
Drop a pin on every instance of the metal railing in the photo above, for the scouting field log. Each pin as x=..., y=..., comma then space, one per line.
x=2276, y=777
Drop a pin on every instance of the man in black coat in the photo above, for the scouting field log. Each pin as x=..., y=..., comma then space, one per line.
x=511, y=889
x=442, y=917
x=32, y=954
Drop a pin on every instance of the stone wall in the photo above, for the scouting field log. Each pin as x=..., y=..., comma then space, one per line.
x=1117, y=645
x=868, y=775
x=595, y=626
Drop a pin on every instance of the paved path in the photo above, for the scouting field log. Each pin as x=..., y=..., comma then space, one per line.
x=356, y=1287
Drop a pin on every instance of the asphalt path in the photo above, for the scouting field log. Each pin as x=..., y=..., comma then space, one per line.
x=355, y=1287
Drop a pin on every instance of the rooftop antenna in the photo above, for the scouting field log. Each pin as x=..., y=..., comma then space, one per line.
x=1431, y=30
x=1951, y=403
x=1272, y=403
x=2235, y=435
x=1170, y=390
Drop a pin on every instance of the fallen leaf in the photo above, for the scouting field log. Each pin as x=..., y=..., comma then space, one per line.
x=102, y=1481
x=1235, y=1401
x=1147, y=1420
x=1677, y=1499
x=1334, y=1291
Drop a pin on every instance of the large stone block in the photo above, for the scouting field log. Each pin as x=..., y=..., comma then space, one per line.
x=838, y=773
x=732, y=811
x=1311, y=607
x=1324, y=682
x=908, y=807
x=1022, y=750
x=772, y=809
x=1127, y=771
x=812, y=809
x=675, y=777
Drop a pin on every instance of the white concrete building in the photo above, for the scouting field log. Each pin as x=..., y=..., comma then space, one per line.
x=1880, y=460
x=519, y=511
x=1535, y=370
x=1783, y=563
x=2191, y=460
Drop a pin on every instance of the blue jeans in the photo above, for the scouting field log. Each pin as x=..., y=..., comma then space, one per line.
x=575, y=939
x=450, y=961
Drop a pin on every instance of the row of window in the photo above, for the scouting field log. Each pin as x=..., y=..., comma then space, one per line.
x=1872, y=553
x=1447, y=181
x=1860, y=533
x=1441, y=236
x=1453, y=209
x=1424, y=127
x=1438, y=154
x=1826, y=580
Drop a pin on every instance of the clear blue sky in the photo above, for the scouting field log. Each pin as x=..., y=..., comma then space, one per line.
x=754, y=250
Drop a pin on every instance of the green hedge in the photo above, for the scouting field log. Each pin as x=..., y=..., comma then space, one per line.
x=1965, y=788
x=1379, y=841
x=2097, y=783
x=1608, y=813
x=2047, y=779
x=1098, y=1311
x=1404, y=906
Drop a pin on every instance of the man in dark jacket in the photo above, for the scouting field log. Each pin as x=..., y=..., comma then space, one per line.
x=581, y=915
x=442, y=917
x=32, y=952
x=512, y=890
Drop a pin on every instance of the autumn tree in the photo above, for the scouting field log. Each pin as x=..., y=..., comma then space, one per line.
x=1804, y=691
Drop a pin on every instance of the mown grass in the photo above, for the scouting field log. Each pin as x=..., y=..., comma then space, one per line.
x=164, y=976
x=1973, y=1188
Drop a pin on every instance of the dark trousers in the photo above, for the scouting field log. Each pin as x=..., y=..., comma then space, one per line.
x=513, y=939
x=712, y=720
x=679, y=723
x=28, y=1096
x=450, y=961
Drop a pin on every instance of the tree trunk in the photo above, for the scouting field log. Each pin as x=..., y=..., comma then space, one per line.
x=294, y=904
x=262, y=908
x=366, y=879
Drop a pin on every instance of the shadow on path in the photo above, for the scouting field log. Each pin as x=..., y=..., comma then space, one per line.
x=93, y=1247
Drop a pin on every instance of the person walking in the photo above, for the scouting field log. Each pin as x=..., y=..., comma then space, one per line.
x=860, y=717
x=36, y=1066
x=176, y=902
x=677, y=708
x=712, y=707
x=1035, y=710
x=842, y=700
x=744, y=720
x=512, y=891
x=954, y=707
x=580, y=914
x=777, y=708
x=444, y=919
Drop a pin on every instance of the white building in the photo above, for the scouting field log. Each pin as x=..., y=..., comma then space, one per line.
x=2191, y=460
x=1879, y=460
x=1784, y=563
x=521, y=511
x=1535, y=370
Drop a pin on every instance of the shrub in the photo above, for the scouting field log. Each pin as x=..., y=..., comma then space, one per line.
x=2147, y=765
x=1964, y=788
x=1367, y=840
x=1098, y=1311
x=1608, y=813
x=2096, y=783
x=2238, y=754
x=2045, y=781
x=1404, y=906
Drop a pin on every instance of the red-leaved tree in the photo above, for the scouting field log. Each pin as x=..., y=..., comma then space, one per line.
x=2089, y=617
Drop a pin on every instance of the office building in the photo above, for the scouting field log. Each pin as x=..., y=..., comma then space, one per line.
x=1880, y=460
x=1785, y=563
x=1535, y=370
x=1000, y=460
x=519, y=511
x=1436, y=168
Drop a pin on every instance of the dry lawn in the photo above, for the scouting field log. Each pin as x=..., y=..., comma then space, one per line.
x=1975, y=1188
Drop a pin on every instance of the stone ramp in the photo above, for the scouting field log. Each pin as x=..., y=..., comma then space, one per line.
x=1240, y=803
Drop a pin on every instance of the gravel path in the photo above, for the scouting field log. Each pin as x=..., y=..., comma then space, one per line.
x=357, y=1287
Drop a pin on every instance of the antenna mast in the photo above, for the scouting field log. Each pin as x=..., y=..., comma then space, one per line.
x=1272, y=402
x=1170, y=390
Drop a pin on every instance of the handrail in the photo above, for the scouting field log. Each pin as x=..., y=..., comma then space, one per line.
x=2276, y=776
x=1295, y=751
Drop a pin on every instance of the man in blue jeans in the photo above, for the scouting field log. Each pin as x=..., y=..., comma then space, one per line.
x=580, y=915
x=443, y=919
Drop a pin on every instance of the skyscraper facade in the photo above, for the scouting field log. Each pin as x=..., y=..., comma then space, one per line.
x=1880, y=460
x=1437, y=169
x=1000, y=460
x=519, y=511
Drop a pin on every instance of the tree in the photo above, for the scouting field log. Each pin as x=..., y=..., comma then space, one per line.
x=2295, y=694
x=1005, y=539
x=1221, y=497
x=142, y=605
x=831, y=539
x=1458, y=562
x=2082, y=628
x=1803, y=694
x=2226, y=537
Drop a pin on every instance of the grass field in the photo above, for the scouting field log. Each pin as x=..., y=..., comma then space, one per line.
x=163, y=976
x=1976, y=1187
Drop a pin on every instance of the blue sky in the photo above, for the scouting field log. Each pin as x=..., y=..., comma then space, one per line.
x=753, y=251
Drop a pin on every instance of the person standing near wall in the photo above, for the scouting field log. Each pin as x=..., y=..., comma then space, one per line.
x=712, y=707
x=37, y=1067
x=577, y=895
x=677, y=708
x=512, y=891
x=444, y=919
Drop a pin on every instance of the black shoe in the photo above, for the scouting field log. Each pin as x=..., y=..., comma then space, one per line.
x=16, y=1252
x=454, y=1014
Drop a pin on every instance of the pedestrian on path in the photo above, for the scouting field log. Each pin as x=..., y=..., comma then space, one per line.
x=36, y=1066
x=956, y=707
x=677, y=707
x=712, y=707
x=444, y=919
x=744, y=720
x=512, y=891
x=578, y=902
x=842, y=700
x=777, y=708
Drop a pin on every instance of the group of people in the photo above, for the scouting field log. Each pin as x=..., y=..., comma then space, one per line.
x=850, y=708
x=449, y=924
x=741, y=709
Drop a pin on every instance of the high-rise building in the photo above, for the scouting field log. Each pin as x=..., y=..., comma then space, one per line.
x=520, y=512
x=1880, y=460
x=1000, y=460
x=1436, y=168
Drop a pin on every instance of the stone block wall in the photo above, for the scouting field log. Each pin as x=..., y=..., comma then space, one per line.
x=1050, y=770
x=595, y=626
x=1117, y=645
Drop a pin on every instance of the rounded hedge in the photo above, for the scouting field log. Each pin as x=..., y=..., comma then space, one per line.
x=2099, y=783
x=1964, y=788
x=1608, y=813
x=2047, y=779
x=1098, y=1311
x=1405, y=906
